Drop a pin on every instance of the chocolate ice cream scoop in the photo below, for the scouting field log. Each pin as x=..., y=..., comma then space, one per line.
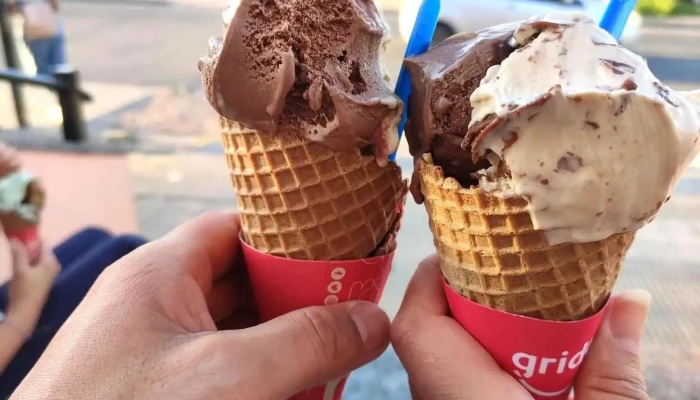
x=308, y=68
x=443, y=80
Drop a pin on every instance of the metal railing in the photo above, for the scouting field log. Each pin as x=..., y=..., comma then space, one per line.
x=65, y=82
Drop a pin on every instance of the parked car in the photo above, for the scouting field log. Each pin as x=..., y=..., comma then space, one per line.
x=472, y=15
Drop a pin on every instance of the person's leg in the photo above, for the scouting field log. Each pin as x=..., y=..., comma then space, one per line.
x=89, y=266
x=3, y=300
x=57, y=55
x=67, y=293
x=41, y=51
x=79, y=244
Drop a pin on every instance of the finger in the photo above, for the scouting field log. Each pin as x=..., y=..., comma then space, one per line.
x=48, y=257
x=415, y=394
x=221, y=299
x=317, y=345
x=443, y=360
x=204, y=248
x=20, y=258
x=228, y=294
x=613, y=369
x=425, y=294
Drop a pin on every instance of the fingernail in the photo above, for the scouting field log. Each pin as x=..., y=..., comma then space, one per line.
x=372, y=323
x=629, y=314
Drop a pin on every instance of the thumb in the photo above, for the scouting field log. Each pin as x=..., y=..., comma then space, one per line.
x=313, y=346
x=20, y=259
x=613, y=368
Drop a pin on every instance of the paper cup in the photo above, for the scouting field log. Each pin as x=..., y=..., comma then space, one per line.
x=282, y=285
x=543, y=356
x=31, y=240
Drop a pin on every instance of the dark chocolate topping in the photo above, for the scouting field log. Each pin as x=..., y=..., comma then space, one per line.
x=443, y=80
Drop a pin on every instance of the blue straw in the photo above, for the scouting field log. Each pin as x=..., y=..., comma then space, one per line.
x=421, y=37
x=616, y=16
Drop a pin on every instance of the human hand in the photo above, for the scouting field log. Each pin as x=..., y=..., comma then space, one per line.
x=30, y=285
x=445, y=362
x=148, y=329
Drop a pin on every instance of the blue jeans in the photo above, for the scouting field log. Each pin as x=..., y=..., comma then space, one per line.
x=48, y=53
x=83, y=257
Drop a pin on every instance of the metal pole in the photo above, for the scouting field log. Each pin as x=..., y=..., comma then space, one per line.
x=12, y=61
x=74, y=129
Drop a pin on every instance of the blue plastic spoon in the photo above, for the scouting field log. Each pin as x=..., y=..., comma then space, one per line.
x=421, y=37
x=616, y=16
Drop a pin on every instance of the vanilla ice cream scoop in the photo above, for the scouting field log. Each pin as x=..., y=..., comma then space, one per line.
x=582, y=129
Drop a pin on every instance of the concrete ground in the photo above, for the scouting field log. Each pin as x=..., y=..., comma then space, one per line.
x=138, y=58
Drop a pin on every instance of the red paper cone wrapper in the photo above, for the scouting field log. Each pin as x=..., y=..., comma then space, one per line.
x=282, y=285
x=543, y=356
x=30, y=239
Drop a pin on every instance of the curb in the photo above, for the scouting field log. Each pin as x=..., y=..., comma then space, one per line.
x=51, y=140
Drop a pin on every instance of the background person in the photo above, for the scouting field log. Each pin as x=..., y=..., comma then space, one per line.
x=46, y=285
x=43, y=32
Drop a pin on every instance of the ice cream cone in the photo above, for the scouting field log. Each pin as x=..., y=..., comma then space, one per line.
x=491, y=254
x=302, y=200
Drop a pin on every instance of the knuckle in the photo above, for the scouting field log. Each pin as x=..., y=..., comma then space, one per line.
x=431, y=261
x=324, y=334
x=131, y=277
x=403, y=333
x=624, y=382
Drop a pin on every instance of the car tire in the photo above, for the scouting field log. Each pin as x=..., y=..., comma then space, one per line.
x=442, y=32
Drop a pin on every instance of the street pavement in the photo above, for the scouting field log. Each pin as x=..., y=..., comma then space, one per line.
x=180, y=172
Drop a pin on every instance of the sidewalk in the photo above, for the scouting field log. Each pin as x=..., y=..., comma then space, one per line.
x=42, y=106
x=43, y=110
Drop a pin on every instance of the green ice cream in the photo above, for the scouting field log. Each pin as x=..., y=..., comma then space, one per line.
x=13, y=193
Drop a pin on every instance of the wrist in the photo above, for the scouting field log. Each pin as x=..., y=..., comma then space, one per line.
x=20, y=324
x=24, y=315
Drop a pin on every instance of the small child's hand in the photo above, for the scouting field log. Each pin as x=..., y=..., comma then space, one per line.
x=30, y=285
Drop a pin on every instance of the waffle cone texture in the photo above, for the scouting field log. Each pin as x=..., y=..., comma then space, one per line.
x=303, y=200
x=491, y=254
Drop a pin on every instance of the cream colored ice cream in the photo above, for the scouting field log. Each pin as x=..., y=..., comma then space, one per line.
x=585, y=131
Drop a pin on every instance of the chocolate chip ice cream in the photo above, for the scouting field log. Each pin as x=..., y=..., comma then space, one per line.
x=562, y=116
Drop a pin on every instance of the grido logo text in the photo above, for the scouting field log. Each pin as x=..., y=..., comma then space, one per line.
x=529, y=365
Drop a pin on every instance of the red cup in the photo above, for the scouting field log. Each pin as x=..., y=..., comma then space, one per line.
x=282, y=285
x=543, y=356
x=31, y=240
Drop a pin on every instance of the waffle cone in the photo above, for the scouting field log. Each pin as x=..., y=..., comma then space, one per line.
x=491, y=254
x=302, y=200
